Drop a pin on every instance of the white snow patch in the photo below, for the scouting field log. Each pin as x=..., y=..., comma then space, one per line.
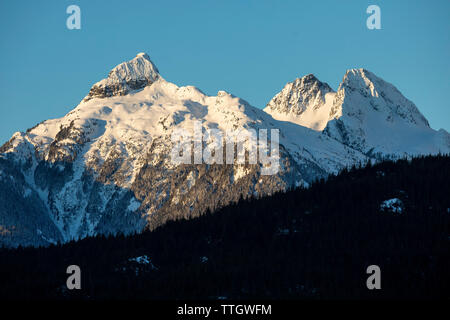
x=394, y=205
x=141, y=259
x=239, y=172
x=144, y=260
x=134, y=205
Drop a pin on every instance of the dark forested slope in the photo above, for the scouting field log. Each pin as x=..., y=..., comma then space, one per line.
x=306, y=243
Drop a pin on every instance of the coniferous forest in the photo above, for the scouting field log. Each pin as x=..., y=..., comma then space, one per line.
x=313, y=243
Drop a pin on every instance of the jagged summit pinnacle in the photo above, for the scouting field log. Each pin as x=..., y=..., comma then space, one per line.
x=297, y=95
x=125, y=77
x=144, y=55
x=303, y=99
x=357, y=71
x=312, y=79
x=360, y=78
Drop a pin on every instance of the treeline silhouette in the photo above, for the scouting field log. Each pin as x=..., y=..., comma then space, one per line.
x=313, y=243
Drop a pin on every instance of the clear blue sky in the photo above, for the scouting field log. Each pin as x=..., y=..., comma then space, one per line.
x=250, y=48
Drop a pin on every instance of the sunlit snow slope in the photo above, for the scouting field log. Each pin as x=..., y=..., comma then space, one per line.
x=366, y=113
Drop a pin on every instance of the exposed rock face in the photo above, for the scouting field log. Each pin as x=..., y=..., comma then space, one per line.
x=126, y=77
x=24, y=216
x=300, y=94
x=302, y=100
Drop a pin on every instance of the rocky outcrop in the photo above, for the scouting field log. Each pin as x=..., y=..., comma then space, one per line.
x=303, y=101
x=125, y=78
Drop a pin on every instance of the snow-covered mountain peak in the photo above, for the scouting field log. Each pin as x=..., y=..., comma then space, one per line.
x=143, y=54
x=126, y=77
x=361, y=79
x=366, y=113
x=140, y=67
x=365, y=92
x=357, y=74
x=371, y=115
x=305, y=101
x=311, y=80
x=367, y=83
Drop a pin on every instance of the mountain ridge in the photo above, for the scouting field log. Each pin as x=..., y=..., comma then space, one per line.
x=105, y=167
x=366, y=113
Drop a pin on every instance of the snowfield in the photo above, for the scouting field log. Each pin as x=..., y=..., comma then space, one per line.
x=394, y=205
